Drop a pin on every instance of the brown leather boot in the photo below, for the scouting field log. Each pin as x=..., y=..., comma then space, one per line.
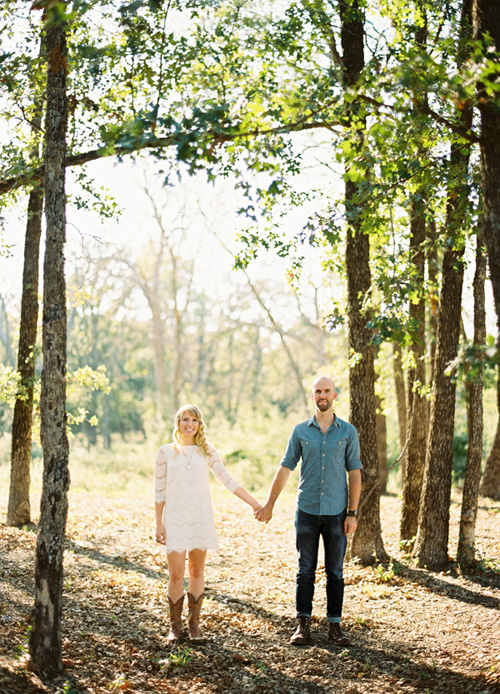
x=336, y=634
x=175, y=619
x=194, y=617
x=302, y=634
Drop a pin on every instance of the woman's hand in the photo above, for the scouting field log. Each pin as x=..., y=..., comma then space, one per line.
x=160, y=533
x=264, y=513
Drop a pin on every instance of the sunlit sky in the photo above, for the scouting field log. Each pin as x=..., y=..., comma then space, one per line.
x=207, y=212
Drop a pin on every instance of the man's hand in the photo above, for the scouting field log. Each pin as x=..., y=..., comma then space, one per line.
x=350, y=525
x=264, y=514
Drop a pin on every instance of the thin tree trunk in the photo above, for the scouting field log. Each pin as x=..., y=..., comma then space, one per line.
x=19, y=508
x=381, y=447
x=381, y=423
x=5, y=338
x=486, y=20
x=433, y=269
x=367, y=544
x=45, y=637
x=490, y=483
x=466, y=542
x=399, y=386
x=417, y=403
x=486, y=17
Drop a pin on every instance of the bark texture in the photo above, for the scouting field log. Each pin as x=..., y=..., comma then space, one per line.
x=417, y=403
x=19, y=508
x=468, y=516
x=45, y=638
x=367, y=544
x=431, y=546
x=381, y=447
x=399, y=386
x=486, y=20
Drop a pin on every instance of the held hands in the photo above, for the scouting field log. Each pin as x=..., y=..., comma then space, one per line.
x=264, y=514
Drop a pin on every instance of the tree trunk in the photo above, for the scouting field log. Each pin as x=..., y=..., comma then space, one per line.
x=433, y=270
x=399, y=386
x=486, y=20
x=466, y=542
x=45, y=637
x=417, y=403
x=490, y=484
x=381, y=447
x=19, y=509
x=431, y=547
x=5, y=338
x=367, y=542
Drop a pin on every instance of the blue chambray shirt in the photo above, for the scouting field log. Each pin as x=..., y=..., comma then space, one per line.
x=326, y=458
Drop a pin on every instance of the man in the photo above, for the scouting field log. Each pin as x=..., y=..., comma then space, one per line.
x=327, y=505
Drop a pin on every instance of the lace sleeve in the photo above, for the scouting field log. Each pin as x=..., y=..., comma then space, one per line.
x=160, y=475
x=217, y=467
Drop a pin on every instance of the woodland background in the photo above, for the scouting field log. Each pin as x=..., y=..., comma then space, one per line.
x=350, y=151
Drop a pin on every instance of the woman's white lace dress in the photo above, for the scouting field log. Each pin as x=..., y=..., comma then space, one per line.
x=181, y=481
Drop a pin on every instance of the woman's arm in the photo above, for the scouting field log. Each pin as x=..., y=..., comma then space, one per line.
x=220, y=471
x=160, y=485
x=242, y=494
x=160, y=528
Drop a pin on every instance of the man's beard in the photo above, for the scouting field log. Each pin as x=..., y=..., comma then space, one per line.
x=324, y=406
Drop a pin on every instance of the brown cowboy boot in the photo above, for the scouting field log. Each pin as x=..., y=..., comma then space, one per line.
x=194, y=617
x=336, y=634
x=175, y=619
x=302, y=634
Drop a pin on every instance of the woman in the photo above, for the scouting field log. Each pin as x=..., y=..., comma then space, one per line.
x=184, y=516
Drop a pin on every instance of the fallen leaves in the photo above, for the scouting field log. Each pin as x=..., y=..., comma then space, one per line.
x=413, y=631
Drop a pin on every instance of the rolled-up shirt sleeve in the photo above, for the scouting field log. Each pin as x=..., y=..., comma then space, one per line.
x=160, y=476
x=353, y=454
x=293, y=452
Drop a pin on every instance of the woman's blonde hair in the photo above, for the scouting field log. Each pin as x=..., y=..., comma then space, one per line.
x=200, y=439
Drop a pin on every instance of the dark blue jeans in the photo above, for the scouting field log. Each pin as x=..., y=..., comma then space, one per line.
x=308, y=529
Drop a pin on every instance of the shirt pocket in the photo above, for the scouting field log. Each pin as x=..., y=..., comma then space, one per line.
x=339, y=449
x=309, y=447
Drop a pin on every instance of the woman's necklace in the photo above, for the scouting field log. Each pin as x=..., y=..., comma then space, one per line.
x=188, y=464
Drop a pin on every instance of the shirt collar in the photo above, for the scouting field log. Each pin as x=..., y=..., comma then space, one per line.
x=314, y=423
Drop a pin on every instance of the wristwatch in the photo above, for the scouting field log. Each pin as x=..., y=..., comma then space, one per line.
x=354, y=514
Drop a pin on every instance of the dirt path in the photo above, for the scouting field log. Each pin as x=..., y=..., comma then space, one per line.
x=413, y=631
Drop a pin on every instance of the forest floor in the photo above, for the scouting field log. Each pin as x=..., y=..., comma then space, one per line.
x=412, y=630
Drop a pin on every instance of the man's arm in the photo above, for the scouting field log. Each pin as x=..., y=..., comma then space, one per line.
x=351, y=523
x=265, y=513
